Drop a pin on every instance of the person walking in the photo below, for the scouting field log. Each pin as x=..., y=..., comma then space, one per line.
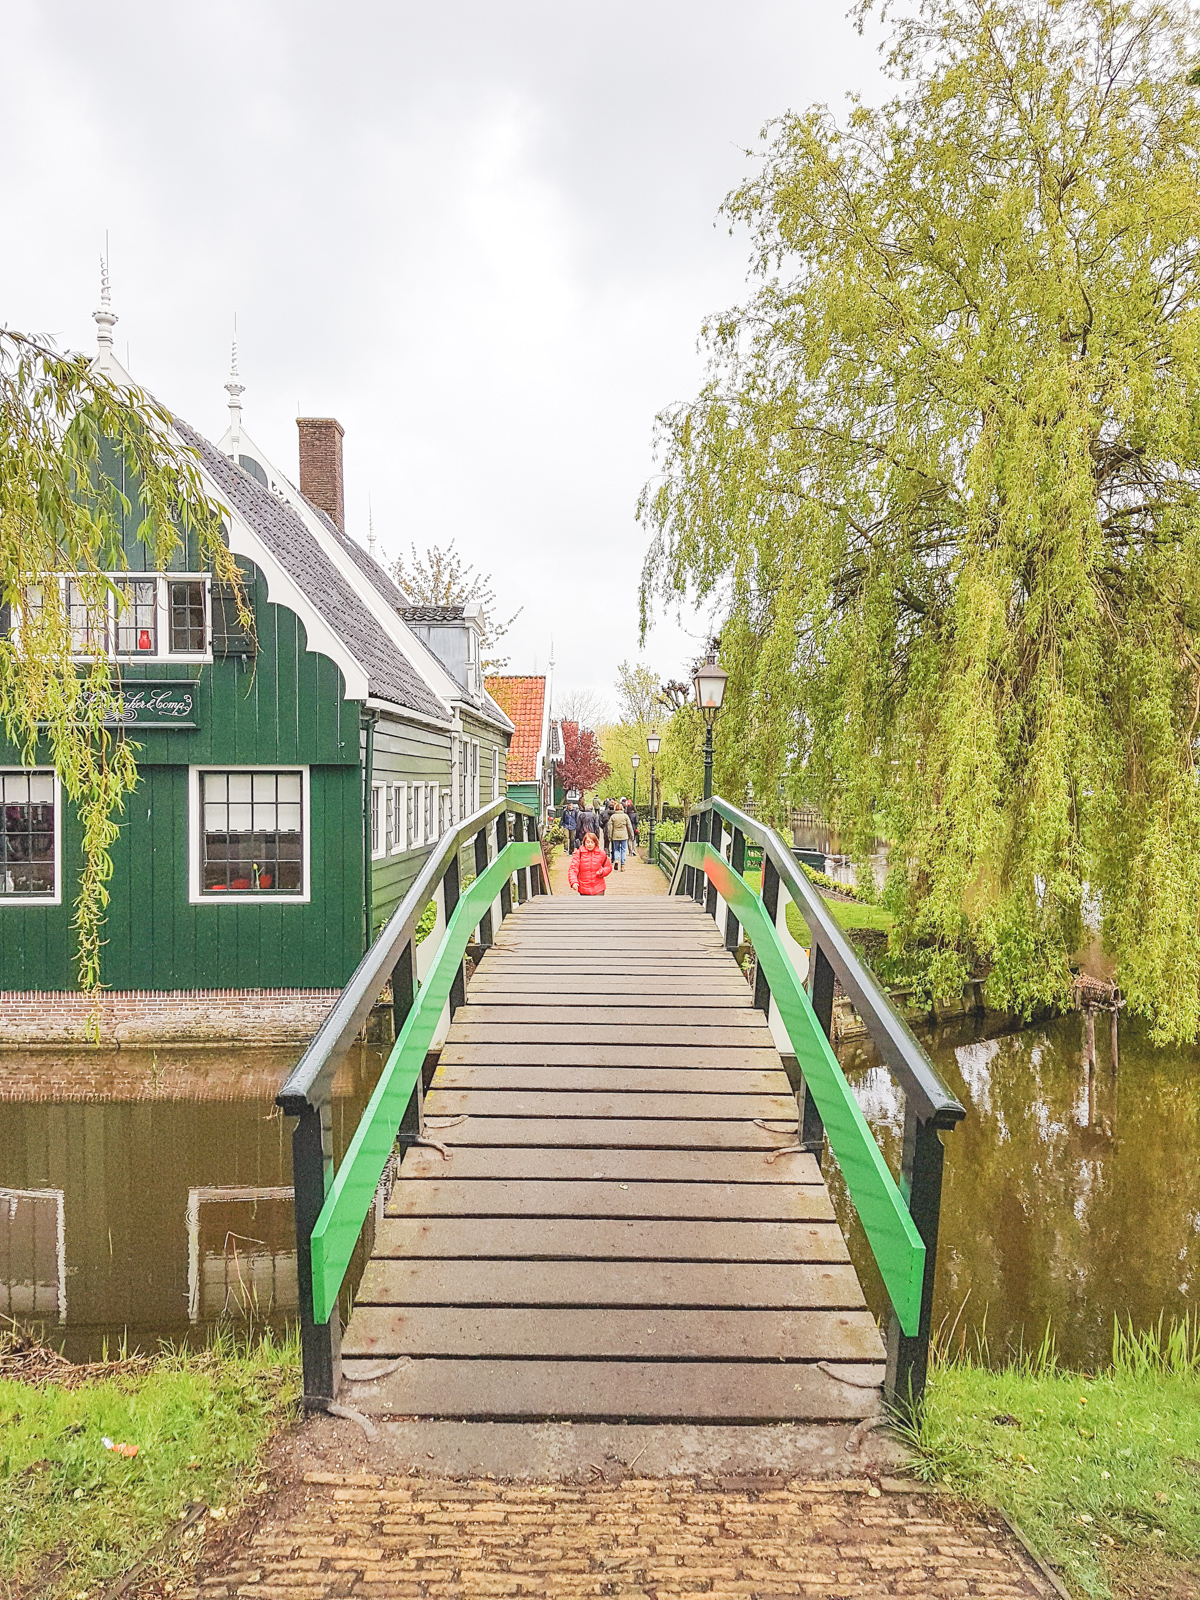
x=619, y=833
x=633, y=823
x=587, y=821
x=570, y=822
x=589, y=866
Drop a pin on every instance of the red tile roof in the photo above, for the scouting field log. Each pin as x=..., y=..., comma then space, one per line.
x=523, y=700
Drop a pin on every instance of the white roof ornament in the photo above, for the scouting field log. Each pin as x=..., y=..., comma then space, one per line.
x=104, y=316
x=235, y=389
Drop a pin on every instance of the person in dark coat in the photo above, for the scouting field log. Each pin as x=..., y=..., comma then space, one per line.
x=570, y=822
x=587, y=822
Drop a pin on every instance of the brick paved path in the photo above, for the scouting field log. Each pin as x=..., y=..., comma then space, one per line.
x=356, y=1534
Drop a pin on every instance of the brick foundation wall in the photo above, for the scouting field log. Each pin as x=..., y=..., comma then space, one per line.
x=147, y=1016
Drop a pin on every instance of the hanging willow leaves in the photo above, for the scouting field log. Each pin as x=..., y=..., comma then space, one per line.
x=943, y=476
x=69, y=437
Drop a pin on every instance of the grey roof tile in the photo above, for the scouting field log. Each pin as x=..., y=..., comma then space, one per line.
x=389, y=674
x=366, y=563
x=431, y=613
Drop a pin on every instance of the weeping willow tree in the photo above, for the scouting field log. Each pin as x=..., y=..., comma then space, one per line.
x=943, y=477
x=69, y=437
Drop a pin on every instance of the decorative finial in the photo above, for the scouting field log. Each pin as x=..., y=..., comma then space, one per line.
x=104, y=316
x=370, y=529
x=235, y=389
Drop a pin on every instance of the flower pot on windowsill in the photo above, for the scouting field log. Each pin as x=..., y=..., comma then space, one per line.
x=265, y=880
x=240, y=883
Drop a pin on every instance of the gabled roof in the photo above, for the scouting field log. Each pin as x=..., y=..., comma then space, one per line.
x=390, y=676
x=432, y=613
x=523, y=700
x=366, y=563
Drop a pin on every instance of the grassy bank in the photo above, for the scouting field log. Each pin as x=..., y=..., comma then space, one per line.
x=75, y=1514
x=1101, y=1472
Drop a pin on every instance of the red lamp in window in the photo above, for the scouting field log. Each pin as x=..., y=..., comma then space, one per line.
x=144, y=639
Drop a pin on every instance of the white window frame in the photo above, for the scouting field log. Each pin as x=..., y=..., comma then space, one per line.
x=162, y=655
x=256, y=897
x=399, y=842
x=378, y=822
x=432, y=822
x=54, y=899
x=474, y=775
x=495, y=772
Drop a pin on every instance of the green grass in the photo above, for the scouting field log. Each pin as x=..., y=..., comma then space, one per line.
x=1102, y=1473
x=74, y=1515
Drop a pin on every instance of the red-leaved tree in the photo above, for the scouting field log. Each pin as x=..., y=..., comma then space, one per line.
x=582, y=765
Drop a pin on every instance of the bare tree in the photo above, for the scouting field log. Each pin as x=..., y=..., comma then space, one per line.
x=584, y=706
x=442, y=578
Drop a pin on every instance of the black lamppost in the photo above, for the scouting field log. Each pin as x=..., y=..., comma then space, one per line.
x=635, y=762
x=710, y=680
x=653, y=741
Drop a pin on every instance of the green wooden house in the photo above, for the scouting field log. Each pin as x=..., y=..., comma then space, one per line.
x=291, y=782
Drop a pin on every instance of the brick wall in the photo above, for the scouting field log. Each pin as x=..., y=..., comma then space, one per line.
x=321, y=465
x=145, y=1016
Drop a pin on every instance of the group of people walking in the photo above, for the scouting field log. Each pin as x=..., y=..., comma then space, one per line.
x=601, y=834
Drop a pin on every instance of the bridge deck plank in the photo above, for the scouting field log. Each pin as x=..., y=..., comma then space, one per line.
x=612, y=1235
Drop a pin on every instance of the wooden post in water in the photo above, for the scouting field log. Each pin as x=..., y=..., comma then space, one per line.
x=1089, y=1036
x=1114, y=1040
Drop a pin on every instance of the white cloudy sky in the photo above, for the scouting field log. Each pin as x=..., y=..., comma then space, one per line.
x=481, y=233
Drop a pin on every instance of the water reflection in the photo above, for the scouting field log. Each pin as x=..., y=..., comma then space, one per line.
x=154, y=1217
x=1065, y=1201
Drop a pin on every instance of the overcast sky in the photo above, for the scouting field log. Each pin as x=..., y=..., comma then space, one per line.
x=483, y=236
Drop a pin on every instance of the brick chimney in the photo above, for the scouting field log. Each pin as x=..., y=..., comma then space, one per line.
x=321, y=465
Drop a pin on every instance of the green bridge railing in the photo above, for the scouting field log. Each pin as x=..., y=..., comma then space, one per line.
x=900, y=1219
x=332, y=1206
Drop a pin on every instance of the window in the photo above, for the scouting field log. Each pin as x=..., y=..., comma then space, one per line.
x=399, y=819
x=430, y=830
x=446, y=802
x=137, y=616
x=29, y=836
x=189, y=633
x=253, y=838
x=378, y=847
x=88, y=621
x=474, y=775
x=459, y=747
x=414, y=815
x=495, y=772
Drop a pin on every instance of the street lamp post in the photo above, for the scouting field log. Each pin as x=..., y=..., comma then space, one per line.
x=635, y=762
x=710, y=680
x=652, y=743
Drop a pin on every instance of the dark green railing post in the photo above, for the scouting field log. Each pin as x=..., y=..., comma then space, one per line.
x=450, y=894
x=737, y=860
x=921, y=1174
x=506, y=887
x=812, y=1129
x=770, y=899
x=312, y=1166
x=481, y=862
x=716, y=829
x=404, y=992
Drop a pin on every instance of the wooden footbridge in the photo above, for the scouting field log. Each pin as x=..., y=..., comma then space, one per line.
x=608, y=1203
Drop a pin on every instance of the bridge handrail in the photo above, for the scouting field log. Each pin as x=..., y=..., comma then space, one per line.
x=901, y=1223
x=327, y=1204
x=309, y=1081
x=898, y=1046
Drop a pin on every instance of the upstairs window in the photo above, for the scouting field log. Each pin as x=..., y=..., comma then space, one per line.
x=252, y=840
x=189, y=625
x=145, y=617
x=137, y=616
x=28, y=836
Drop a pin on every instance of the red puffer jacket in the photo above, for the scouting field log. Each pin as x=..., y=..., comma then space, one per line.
x=589, y=868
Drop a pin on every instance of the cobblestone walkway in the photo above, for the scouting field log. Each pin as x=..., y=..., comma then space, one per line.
x=355, y=1534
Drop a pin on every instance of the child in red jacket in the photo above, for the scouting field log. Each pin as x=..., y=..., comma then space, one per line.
x=589, y=867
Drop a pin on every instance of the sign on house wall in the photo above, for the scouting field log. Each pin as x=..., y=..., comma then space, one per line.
x=151, y=704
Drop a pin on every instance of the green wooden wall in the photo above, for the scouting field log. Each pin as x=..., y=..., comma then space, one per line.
x=404, y=753
x=285, y=705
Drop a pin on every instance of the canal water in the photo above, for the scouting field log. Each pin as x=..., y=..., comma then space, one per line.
x=1065, y=1204
x=161, y=1204
x=146, y=1195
